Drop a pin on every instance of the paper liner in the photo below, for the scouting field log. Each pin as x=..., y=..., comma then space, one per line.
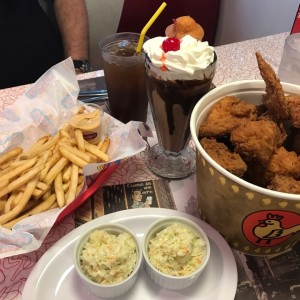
x=44, y=108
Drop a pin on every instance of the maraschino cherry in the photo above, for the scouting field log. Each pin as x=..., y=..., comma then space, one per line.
x=170, y=44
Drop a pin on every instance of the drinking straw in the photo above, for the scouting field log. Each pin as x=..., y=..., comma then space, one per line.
x=150, y=22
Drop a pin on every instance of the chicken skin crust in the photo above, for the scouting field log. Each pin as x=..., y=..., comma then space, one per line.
x=293, y=140
x=227, y=114
x=274, y=100
x=285, y=184
x=256, y=139
x=232, y=162
x=294, y=106
x=285, y=163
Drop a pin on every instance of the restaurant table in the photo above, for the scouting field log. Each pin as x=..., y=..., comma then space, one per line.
x=236, y=61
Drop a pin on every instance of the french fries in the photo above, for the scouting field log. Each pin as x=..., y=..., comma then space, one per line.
x=59, y=191
x=10, y=154
x=47, y=175
x=105, y=144
x=79, y=139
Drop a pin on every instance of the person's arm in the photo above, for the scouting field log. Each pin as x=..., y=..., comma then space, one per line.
x=72, y=19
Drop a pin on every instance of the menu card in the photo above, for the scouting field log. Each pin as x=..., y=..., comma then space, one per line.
x=109, y=199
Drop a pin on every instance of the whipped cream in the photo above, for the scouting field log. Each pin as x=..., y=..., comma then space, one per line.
x=191, y=61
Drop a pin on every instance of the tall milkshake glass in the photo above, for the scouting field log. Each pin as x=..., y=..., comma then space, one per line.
x=173, y=87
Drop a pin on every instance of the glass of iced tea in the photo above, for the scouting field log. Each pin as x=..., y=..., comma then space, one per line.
x=124, y=71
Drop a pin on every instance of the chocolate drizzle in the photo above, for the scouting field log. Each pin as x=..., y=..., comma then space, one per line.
x=172, y=103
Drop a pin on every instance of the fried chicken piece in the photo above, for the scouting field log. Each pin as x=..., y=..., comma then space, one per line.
x=225, y=115
x=283, y=135
x=256, y=139
x=261, y=110
x=230, y=161
x=285, y=184
x=256, y=173
x=274, y=100
x=284, y=162
x=266, y=116
x=293, y=140
x=294, y=106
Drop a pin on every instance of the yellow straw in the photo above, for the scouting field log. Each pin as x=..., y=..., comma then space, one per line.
x=150, y=22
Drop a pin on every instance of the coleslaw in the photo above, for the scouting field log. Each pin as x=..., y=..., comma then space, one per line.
x=108, y=258
x=176, y=250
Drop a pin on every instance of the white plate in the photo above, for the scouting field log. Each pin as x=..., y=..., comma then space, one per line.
x=54, y=277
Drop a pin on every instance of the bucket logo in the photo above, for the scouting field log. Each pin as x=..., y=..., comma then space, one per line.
x=270, y=227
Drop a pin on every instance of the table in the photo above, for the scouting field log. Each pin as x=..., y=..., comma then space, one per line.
x=235, y=62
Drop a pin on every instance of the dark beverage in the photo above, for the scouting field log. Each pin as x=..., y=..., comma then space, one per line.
x=124, y=71
x=126, y=91
x=171, y=104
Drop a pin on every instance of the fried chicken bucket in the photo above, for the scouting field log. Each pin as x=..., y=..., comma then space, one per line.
x=239, y=198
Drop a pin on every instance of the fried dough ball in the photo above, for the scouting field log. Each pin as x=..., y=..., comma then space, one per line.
x=183, y=26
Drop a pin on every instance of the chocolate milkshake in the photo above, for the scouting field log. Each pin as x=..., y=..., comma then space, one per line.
x=178, y=73
x=172, y=102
